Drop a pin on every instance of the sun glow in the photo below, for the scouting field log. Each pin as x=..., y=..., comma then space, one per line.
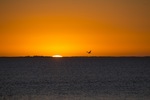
x=58, y=56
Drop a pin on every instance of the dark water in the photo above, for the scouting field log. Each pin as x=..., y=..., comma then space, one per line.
x=74, y=78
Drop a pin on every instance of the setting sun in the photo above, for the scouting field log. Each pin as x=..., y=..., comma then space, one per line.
x=57, y=56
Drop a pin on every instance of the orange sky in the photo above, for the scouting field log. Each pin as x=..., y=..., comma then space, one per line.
x=72, y=27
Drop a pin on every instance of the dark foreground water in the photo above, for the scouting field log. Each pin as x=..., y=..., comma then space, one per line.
x=74, y=78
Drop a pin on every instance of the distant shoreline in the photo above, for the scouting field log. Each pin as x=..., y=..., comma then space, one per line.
x=76, y=57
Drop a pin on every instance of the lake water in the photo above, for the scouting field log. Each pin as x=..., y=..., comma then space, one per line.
x=75, y=78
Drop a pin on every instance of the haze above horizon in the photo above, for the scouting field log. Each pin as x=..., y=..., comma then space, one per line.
x=73, y=27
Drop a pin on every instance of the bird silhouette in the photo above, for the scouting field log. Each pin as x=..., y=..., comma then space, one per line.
x=89, y=52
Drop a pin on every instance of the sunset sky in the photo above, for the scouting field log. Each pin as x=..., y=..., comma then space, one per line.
x=72, y=27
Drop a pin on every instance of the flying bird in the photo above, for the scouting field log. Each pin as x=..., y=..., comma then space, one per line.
x=89, y=52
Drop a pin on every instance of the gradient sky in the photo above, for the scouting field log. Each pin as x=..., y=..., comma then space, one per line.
x=72, y=27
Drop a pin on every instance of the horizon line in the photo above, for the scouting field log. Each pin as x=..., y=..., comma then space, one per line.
x=63, y=56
